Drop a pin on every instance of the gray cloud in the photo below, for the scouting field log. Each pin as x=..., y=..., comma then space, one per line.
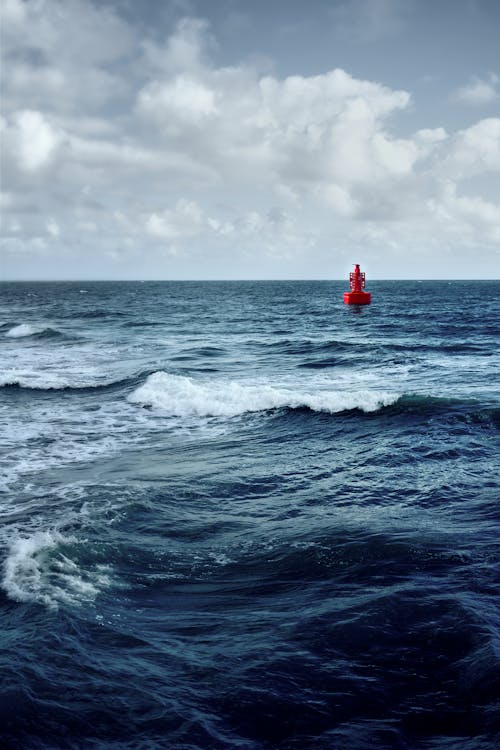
x=142, y=145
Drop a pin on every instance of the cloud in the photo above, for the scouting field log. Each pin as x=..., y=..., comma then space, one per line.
x=478, y=92
x=296, y=132
x=13, y=13
x=175, y=104
x=140, y=139
x=472, y=151
x=187, y=50
x=76, y=30
x=182, y=225
x=53, y=228
x=59, y=54
x=186, y=219
x=472, y=219
x=31, y=140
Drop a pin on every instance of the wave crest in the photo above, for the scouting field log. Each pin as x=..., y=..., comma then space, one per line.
x=37, y=571
x=180, y=396
x=24, y=330
x=44, y=380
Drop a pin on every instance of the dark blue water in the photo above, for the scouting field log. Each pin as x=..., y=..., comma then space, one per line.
x=245, y=516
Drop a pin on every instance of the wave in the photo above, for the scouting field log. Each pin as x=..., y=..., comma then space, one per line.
x=305, y=346
x=309, y=347
x=325, y=363
x=98, y=313
x=467, y=410
x=420, y=347
x=38, y=569
x=25, y=330
x=143, y=323
x=180, y=396
x=39, y=380
x=205, y=351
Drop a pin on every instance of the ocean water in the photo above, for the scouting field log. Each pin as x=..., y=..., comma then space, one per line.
x=244, y=516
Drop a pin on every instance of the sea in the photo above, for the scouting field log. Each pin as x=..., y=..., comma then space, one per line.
x=246, y=516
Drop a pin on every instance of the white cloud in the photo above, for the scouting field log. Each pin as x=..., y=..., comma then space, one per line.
x=431, y=135
x=295, y=132
x=75, y=30
x=276, y=230
x=33, y=141
x=186, y=50
x=339, y=199
x=53, y=228
x=473, y=151
x=177, y=103
x=185, y=220
x=58, y=54
x=472, y=219
x=478, y=91
x=105, y=131
x=100, y=153
x=12, y=13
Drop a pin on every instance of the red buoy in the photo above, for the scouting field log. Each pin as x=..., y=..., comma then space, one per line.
x=357, y=282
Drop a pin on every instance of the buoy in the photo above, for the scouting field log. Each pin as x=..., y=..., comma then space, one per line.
x=357, y=283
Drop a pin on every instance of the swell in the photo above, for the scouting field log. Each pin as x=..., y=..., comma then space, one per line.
x=180, y=396
x=411, y=403
x=96, y=314
x=20, y=383
x=30, y=332
x=304, y=346
x=335, y=347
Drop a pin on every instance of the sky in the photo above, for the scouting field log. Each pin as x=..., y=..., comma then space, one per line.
x=232, y=139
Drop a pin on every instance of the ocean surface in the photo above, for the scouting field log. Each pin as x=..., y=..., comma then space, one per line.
x=245, y=516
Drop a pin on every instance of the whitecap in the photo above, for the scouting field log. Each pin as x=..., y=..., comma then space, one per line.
x=46, y=379
x=37, y=571
x=180, y=396
x=38, y=380
x=25, y=329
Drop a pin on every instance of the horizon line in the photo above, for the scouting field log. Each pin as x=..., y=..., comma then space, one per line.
x=195, y=280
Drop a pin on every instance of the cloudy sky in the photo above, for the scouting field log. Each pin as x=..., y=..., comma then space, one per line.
x=227, y=139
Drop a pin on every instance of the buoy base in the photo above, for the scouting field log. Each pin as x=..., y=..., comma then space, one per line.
x=357, y=298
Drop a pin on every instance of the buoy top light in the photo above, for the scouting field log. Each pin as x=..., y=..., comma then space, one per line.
x=357, y=295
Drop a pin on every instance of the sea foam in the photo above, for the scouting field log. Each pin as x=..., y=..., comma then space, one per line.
x=36, y=570
x=67, y=379
x=37, y=380
x=25, y=329
x=180, y=396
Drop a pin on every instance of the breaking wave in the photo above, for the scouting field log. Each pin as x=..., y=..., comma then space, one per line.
x=50, y=381
x=180, y=396
x=25, y=330
x=39, y=569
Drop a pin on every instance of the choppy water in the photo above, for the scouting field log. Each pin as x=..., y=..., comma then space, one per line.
x=244, y=515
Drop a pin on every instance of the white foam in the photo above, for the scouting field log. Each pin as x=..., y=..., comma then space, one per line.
x=180, y=396
x=74, y=364
x=25, y=329
x=37, y=379
x=51, y=379
x=41, y=435
x=35, y=571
